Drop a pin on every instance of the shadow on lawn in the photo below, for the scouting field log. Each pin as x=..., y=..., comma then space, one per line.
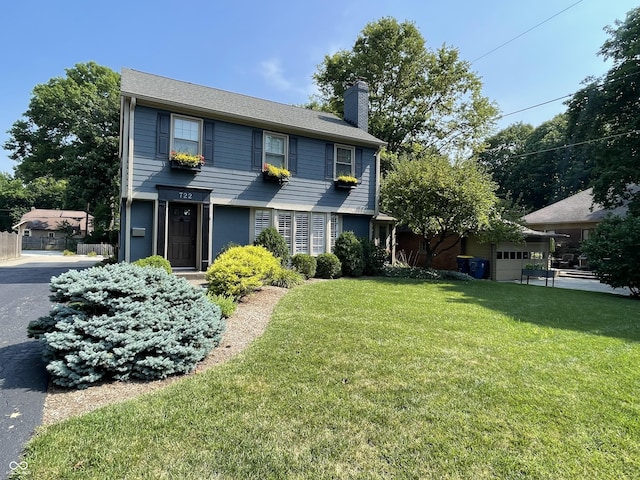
x=590, y=312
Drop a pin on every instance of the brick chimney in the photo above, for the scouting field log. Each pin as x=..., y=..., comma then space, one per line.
x=356, y=105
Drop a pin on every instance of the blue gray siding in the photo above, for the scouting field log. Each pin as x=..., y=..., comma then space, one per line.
x=356, y=224
x=142, y=218
x=230, y=224
x=233, y=176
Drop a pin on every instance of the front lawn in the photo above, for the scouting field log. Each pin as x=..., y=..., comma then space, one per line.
x=388, y=379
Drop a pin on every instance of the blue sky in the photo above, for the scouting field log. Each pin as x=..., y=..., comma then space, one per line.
x=271, y=49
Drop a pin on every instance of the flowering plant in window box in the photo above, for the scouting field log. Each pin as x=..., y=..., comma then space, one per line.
x=186, y=160
x=346, y=182
x=271, y=173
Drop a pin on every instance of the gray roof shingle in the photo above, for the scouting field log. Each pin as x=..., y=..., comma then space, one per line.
x=578, y=208
x=235, y=107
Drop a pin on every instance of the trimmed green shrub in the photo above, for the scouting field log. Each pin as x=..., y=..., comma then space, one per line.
x=240, y=270
x=226, y=303
x=270, y=239
x=374, y=257
x=305, y=264
x=328, y=266
x=155, y=261
x=68, y=253
x=349, y=250
x=123, y=321
x=286, y=278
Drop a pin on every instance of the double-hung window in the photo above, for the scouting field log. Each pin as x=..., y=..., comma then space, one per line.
x=344, y=161
x=275, y=150
x=186, y=135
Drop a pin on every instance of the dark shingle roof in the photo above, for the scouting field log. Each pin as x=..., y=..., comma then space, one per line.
x=239, y=108
x=578, y=208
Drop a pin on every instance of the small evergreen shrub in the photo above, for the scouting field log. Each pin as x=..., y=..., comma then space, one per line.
x=240, y=270
x=374, y=257
x=226, y=303
x=328, y=266
x=270, y=239
x=121, y=322
x=453, y=275
x=155, y=261
x=92, y=254
x=68, y=253
x=305, y=264
x=349, y=250
x=286, y=278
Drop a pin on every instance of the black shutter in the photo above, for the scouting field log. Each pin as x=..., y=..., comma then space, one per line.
x=358, y=162
x=207, y=143
x=328, y=161
x=257, y=150
x=163, y=136
x=293, y=155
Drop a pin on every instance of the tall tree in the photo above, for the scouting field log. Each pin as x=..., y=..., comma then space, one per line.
x=416, y=95
x=437, y=199
x=534, y=166
x=70, y=132
x=606, y=113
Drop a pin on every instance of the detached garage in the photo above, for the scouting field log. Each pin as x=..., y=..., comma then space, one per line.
x=507, y=259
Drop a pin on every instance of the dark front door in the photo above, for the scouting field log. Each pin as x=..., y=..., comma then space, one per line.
x=182, y=235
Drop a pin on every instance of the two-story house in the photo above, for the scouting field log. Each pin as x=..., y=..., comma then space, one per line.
x=188, y=213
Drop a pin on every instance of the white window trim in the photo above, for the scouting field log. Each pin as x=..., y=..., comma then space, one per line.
x=335, y=159
x=274, y=212
x=191, y=119
x=286, y=147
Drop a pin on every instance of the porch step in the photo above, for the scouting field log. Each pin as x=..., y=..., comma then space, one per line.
x=189, y=274
x=572, y=273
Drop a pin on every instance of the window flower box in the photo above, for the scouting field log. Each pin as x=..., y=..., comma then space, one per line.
x=271, y=173
x=345, y=182
x=186, y=161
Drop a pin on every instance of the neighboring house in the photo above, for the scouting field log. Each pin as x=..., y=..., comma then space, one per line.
x=411, y=249
x=576, y=216
x=188, y=214
x=43, y=228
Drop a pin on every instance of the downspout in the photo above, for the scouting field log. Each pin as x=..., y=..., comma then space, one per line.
x=128, y=155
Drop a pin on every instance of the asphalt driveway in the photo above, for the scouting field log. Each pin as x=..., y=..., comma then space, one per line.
x=24, y=296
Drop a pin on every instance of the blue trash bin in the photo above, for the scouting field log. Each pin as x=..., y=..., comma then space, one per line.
x=463, y=263
x=479, y=268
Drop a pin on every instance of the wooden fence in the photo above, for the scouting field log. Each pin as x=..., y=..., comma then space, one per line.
x=9, y=245
x=103, y=249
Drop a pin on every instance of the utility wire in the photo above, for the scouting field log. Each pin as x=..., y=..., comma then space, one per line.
x=603, y=83
x=524, y=33
x=560, y=147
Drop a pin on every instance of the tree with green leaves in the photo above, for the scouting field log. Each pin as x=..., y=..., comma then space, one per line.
x=605, y=114
x=70, y=132
x=613, y=252
x=16, y=198
x=533, y=166
x=415, y=94
x=437, y=199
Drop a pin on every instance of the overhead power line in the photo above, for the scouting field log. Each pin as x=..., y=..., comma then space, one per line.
x=525, y=32
x=593, y=140
x=603, y=83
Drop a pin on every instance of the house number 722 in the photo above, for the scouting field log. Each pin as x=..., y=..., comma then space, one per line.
x=185, y=195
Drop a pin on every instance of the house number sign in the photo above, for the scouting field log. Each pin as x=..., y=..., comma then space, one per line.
x=185, y=195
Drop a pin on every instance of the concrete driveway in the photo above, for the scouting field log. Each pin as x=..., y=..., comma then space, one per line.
x=24, y=296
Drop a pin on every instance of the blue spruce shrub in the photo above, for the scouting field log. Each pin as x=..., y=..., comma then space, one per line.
x=123, y=321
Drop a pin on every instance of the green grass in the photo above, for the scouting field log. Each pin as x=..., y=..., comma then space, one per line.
x=388, y=379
